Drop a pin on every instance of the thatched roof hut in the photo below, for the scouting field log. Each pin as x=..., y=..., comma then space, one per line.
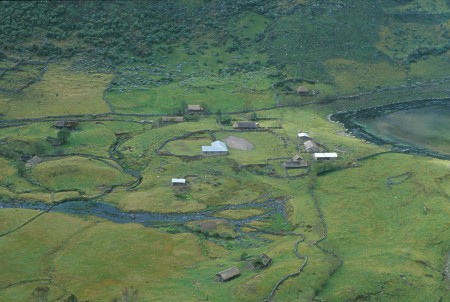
x=227, y=274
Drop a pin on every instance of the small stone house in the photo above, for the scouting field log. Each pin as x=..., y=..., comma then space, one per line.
x=311, y=146
x=35, y=160
x=245, y=125
x=303, y=90
x=71, y=125
x=297, y=162
x=195, y=108
x=227, y=274
x=172, y=119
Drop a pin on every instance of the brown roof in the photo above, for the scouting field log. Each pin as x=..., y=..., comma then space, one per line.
x=227, y=274
x=302, y=89
x=246, y=125
x=172, y=119
x=310, y=146
x=291, y=164
x=195, y=108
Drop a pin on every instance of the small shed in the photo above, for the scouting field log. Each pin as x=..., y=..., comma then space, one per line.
x=297, y=162
x=325, y=156
x=245, y=125
x=195, y=108
x=216, y=148
x=303, y=136
x=35, y=160
x=72, y=125
x=227, y=274
x=311, y=146
x=265, y=260
x=302, y=90
x=178, y=181
x=172, y=119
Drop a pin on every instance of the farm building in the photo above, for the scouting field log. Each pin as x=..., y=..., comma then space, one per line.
x=35, y=160
x=195, y=108
x=303, y=136
x=311, y=146
x=72, y=125
x=296, y=162
x=246, y=125
x=172, y=119
x=302, y=90
x=264, y=260
x=216, y=148
x=227, y=274
x=178, y=181
x=325, y=156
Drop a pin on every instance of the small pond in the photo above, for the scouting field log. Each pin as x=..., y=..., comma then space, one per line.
x=418, y=127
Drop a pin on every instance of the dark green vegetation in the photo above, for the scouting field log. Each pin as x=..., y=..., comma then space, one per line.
x=372, y=225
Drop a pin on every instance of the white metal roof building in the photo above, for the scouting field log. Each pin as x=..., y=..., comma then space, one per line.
x=178, y=181
x=325, y=156
x=303, y=135
x=216, y=147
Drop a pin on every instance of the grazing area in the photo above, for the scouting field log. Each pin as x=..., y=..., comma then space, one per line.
x=154, y=151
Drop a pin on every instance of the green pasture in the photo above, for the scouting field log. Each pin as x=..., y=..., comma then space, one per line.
x=60, y=92
x=389, y=239
x=79, y=173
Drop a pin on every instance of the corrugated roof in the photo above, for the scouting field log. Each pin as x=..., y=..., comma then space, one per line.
x=325, y=155
x=216, y=146
x=178, y=180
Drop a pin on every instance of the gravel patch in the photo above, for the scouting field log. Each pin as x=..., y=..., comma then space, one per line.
x=238, y=143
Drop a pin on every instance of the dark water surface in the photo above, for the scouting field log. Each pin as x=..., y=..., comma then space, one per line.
x=418, y=127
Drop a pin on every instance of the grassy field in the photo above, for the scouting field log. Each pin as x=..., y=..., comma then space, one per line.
x=369, y=226
x=60, y=92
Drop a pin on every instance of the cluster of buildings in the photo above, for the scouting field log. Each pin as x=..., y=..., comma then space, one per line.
x=312, y=147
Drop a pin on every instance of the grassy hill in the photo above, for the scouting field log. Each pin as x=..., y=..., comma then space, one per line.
x=370, y=226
